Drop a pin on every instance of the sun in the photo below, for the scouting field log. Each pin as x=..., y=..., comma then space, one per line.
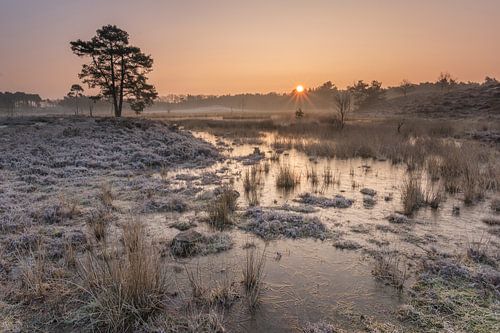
x=299, y=88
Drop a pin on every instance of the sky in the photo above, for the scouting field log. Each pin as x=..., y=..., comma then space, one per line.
x=232, y=46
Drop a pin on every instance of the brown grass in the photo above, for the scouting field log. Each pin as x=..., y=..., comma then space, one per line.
x=34, y=274
x=252, y=179
x=411, y=194
x=433, y=197
x=69, y=254
x=98, y=222
x=253, y=274
x=287, y=179
x=221, y=293
x=481, y=251
x=126, y=289
x=196, y=282
x=221, y=209
x=106, y=195
x=473, y=184
x=445, y=151
x=391, y=267
x=312, y=176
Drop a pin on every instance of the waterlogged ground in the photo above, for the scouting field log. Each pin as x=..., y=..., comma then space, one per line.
x=57, y=173
x=331, y=280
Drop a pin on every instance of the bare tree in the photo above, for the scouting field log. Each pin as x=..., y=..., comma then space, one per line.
x=343, y=104
x=405, y=87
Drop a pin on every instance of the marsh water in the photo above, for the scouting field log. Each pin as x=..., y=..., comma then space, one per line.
x=309, y=280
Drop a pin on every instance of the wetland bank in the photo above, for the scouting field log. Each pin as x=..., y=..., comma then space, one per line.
x=136, y=224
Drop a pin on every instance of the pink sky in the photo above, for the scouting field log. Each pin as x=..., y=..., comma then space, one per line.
x=223, y=46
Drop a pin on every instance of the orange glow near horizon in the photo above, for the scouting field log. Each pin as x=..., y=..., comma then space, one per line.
x=299, y=88
x=255, y=47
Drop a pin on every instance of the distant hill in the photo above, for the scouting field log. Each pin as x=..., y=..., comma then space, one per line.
x=472, y=100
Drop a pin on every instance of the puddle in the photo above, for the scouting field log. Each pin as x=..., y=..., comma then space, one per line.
x=305, y=280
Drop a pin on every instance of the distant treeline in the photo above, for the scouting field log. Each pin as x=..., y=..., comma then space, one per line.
x=317, y=97
x=321, y=97
x=10, y=101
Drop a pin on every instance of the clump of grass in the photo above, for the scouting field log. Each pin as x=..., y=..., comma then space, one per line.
x=106, y=195
x=126, y=290
x=391, y=268
x=451, y=167
x=98, y=221
x=34, y=274
x=479, y=251
x=69, y=254
x=472, y=182
x=312, y=176
x=328, y=177
x=196, y=282
x=204, y=322
x=252, y=180
x=433, y=198
x=433, y=164
x=221, y=209
x=411, y=194
x=222, y=293
x=59, y=212
x=287, y=179
x=253, y=198
x=253, y=274
x=469, y=170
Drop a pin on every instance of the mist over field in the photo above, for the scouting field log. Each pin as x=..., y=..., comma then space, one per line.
x=270, y=166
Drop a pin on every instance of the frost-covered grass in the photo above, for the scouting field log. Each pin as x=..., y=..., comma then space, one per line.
x=101, y=159
x=271, y=224
x=337, y=202
x=39, y=148
x=65, y=185
x=449, y=295
x=203, y=245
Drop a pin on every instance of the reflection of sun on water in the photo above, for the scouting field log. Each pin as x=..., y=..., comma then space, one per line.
x=299, y=88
